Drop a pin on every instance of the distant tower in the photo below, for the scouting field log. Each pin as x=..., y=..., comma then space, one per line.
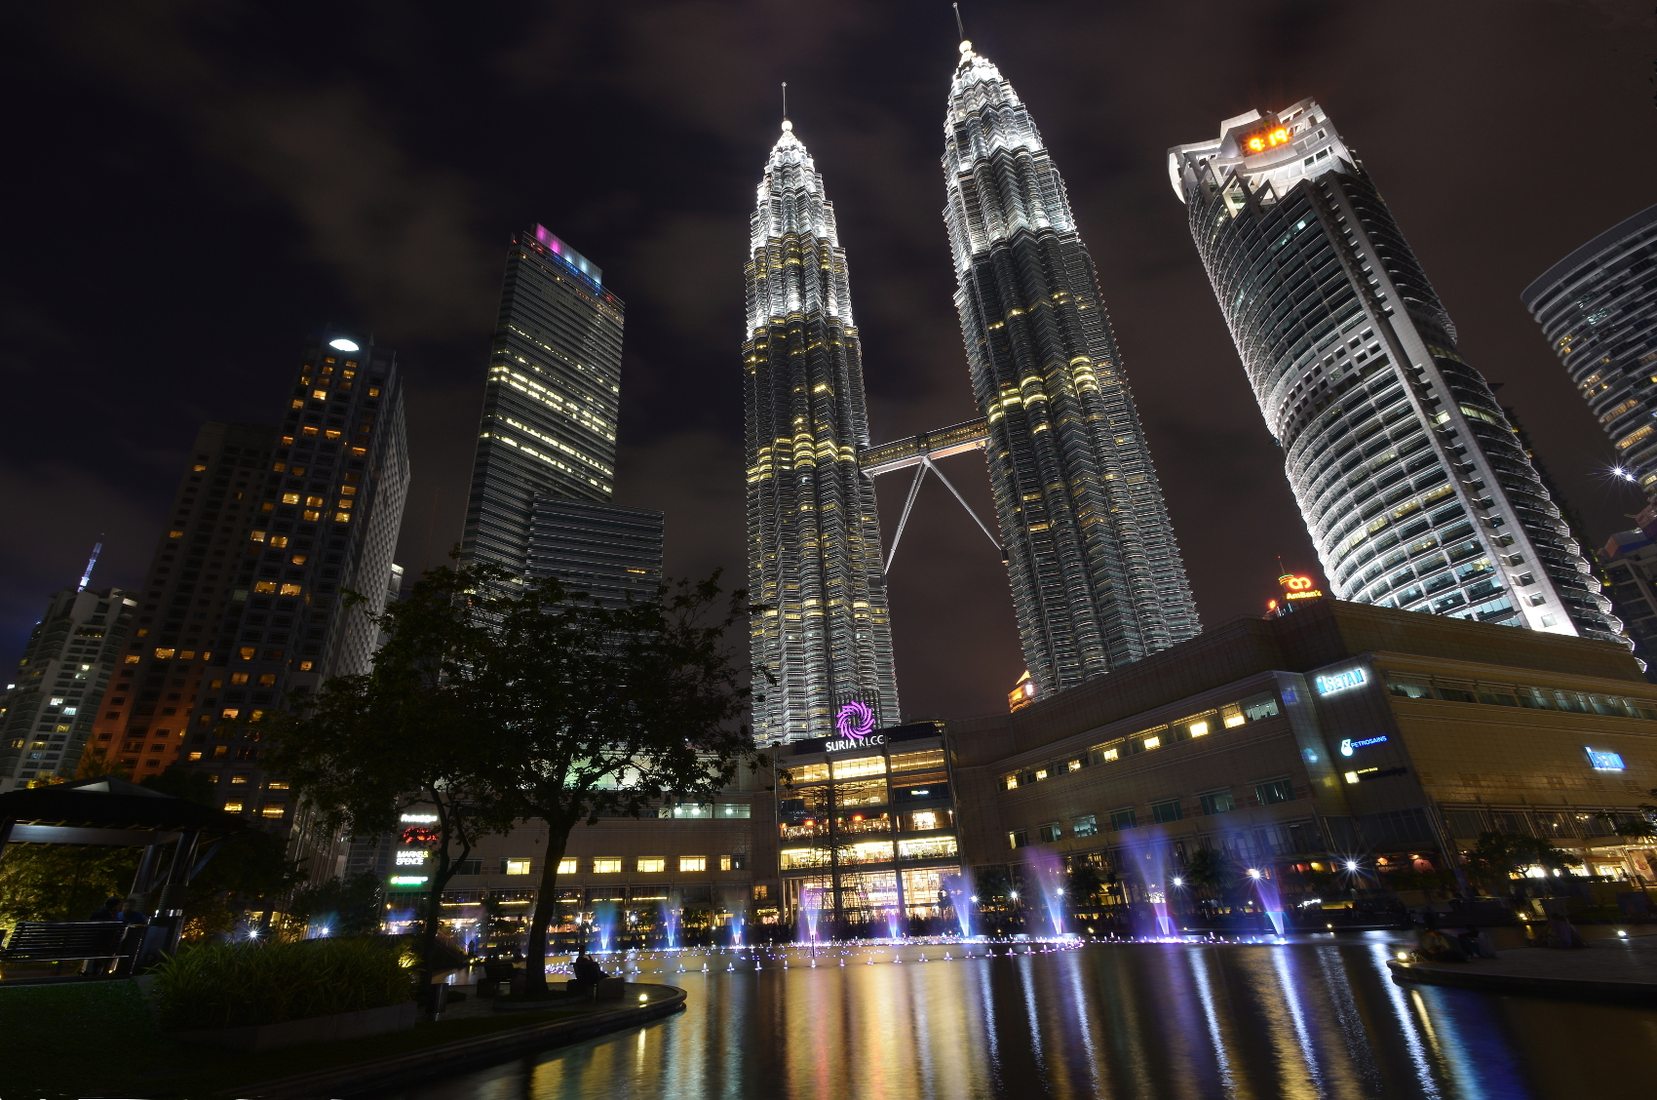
x=821, y=625
x=1415, y=489
x=1096, y=575
x=46, y=711
x=1598, y=309
x=551, y=398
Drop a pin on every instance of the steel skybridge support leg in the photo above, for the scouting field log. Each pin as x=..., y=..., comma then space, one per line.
x=908, y=504
x=926, y=463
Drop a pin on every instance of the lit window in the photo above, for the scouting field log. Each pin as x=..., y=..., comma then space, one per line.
x=319, y=395
x=1012, y=782
x=651, y=865
x=256, y=536
x=164, y=654
x=310, y=515
x=246, y=652
x=279, y=541
x=1198, y=729
x=276, y=785
x=289, y=590
x=1153, y=742
x=133, y=658
x=309, y=429
x=567, y=865
x=175, y=533
x=199, y=467
x=342, y=517
x=234, y=806
x=607, y=866
x=517, y=867
x=725, y=863
x=231, y=712
x=305, y=666
x=298, y=559
x=237, y=678
x=693, y=863
x=313, y=502
x=331, y=433
x=290, y=498
x=272, y=811
x=264, y=586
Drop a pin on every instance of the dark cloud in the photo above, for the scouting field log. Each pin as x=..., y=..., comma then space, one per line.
x=206, y=181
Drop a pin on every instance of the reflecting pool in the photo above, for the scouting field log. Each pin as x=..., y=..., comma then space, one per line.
x=1313, y=1017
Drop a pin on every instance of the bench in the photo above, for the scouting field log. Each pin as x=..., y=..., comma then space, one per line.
x=63, y=941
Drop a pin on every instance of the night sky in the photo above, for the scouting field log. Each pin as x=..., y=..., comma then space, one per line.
x=196, y=184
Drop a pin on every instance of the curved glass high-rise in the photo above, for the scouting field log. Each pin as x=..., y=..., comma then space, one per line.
x=820, y=632
x=1416, y=490
x=1598, y=309
x=1096, y=575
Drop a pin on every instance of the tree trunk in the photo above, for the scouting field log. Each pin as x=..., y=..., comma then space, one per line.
x=546, y=908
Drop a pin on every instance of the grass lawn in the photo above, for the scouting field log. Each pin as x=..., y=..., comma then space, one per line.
x=100, y=1039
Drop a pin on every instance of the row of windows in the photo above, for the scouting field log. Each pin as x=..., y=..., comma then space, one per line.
x=866, y=765
x=1229, y=716
x=1266, y=793
x=1406, y=686
x=600, y=865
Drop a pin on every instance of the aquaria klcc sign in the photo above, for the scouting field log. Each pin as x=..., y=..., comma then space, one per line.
x=854, y=722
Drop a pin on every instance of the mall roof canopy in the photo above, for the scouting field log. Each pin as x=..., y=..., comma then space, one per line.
x=105, y=811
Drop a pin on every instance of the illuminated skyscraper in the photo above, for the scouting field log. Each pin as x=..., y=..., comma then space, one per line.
x=1598, y=309
x=46, y=712
x=550, y=400
x=821, y=625
x=1096, y=575
x=1415, y=488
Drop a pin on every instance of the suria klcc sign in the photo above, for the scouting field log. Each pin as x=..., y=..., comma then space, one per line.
x=855, y=724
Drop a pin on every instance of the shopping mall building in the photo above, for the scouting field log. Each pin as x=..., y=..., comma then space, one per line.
x=1340, y=732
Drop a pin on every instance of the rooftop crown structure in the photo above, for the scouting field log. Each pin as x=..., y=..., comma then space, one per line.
x=1096, y=575
x=821, y=627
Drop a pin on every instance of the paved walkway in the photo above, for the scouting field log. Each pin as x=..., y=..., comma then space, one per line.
x=640, y=1004
x=1622, y=970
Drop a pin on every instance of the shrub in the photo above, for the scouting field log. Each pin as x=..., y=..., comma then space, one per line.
x=239, y=984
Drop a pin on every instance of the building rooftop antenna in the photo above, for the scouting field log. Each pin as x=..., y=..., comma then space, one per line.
x=86, y=578
x=959, y=26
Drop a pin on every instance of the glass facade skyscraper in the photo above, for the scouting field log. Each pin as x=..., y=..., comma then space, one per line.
x=820, y=627
x=551, y=398
x=1096, y=574
x=1414, y=486
x=1598, y=309
x=602, y=554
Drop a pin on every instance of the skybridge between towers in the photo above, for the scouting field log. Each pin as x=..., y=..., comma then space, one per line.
x=922, y=452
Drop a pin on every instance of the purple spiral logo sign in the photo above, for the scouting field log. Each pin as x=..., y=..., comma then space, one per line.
x=855, y=720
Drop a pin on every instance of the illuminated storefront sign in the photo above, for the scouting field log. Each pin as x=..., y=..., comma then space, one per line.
x=411, y=857
x=855, y=720
x=1261, y=140
x=1336, y=682
x=1350, y=746
x=418, y=819
x=848, y=743
x=407, y=880
x=1297, y=586
x=1603, y=761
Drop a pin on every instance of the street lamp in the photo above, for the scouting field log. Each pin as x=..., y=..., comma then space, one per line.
x=1012, y=895
x=1178, y=881
x=1352, y=866
x=1254, y=873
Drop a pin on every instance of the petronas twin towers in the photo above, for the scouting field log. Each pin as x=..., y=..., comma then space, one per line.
x=1096, y=575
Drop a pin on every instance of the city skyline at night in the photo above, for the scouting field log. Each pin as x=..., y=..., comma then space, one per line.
x=409, y=241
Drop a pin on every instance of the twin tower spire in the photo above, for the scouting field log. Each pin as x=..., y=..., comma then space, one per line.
x=1096, y=575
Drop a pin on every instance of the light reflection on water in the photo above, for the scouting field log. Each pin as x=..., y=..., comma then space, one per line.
x=1319, y=1018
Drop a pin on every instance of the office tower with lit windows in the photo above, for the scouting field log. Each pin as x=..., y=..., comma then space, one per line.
x=1413, y=484
x=181, y=625
x=602, y=555
x=550, y=401
x=1598, y=309
x=248, y=600
x=1097, y=579
x=820, y=631
x=47, y=710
